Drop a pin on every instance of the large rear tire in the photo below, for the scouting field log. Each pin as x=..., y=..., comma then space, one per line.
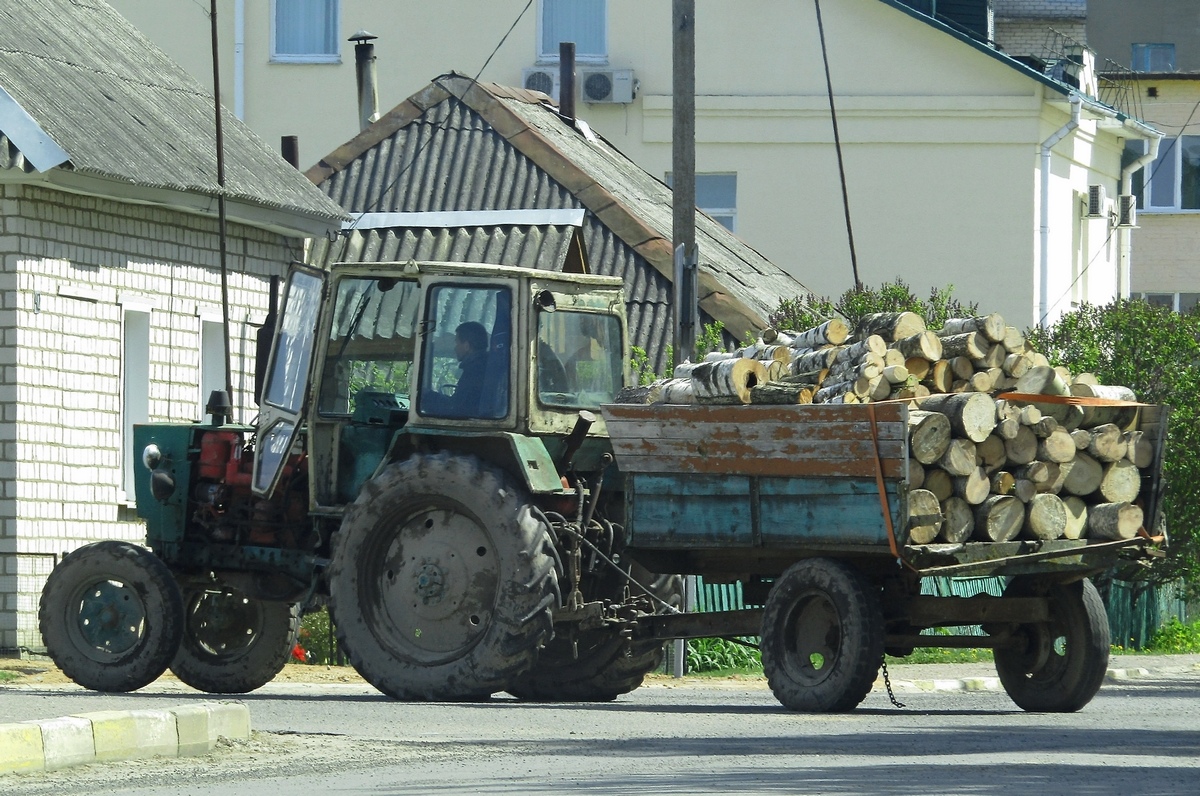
x=111, y=616
x=1061, y=664
x=442, y=582
x=822, y=636
x=233, y=644
x=599, y=665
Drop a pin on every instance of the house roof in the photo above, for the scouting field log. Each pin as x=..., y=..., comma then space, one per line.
x=463, y=145
x=87, y=103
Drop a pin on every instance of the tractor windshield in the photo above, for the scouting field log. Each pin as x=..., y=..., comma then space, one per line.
x=371, y=345
x=579, y=362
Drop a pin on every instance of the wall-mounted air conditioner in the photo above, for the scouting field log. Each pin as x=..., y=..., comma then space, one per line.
x=543, y=79
x=607, y=85
x=1127, y=210
x=1096, y=201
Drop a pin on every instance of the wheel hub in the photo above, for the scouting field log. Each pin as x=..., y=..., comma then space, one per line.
x=111, y=617
x=223, y=623
x=429, y=582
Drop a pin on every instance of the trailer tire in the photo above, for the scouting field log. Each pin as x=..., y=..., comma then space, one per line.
x=442, y=583
x=1062, y=664
x=598, y=665
x=111, y=616
x=822, y=636
x=233, y=644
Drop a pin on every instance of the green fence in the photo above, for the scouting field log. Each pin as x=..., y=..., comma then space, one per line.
x=1135, y=610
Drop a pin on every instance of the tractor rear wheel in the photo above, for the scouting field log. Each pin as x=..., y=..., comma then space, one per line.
x=233, y=644
x=111, y=616
x=442, y=582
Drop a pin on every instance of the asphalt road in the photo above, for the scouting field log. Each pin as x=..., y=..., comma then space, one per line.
x=1139, y=736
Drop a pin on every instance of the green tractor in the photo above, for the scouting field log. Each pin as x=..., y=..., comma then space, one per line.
x=427, y=463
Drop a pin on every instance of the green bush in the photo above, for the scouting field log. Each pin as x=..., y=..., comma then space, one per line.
x=316, y=640
x=807, y=311
x=1156, y=352
x=713, y=655
x=1175, y=637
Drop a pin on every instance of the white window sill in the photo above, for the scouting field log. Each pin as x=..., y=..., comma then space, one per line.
x=1166, y=211
x=306, y=59
x=589, y=60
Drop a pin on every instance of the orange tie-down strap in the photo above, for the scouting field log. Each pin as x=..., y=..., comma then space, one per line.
x=1072, y=400
x=883, y=500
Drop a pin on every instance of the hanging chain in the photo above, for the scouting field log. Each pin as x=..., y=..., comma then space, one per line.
x=887, y=682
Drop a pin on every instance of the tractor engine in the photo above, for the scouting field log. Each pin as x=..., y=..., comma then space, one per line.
x=223, y=508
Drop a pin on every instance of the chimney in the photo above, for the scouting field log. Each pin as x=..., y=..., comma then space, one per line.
x=566, y=80
x=289, y=147
x=364, y=71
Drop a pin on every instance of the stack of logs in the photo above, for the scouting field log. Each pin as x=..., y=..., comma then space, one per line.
x=982, y=468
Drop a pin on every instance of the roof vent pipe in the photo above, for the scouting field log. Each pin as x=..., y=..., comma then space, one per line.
x=289, y=147
x=364, y=72
x=566, y=80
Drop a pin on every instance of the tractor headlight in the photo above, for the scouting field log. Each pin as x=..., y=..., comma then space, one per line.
x=151, y=456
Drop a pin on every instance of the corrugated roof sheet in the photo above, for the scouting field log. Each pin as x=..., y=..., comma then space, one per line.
x=461, y=145
x=124, y=111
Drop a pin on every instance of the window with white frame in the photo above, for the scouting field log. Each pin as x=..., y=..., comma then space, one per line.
x=1179, y=302
x=716, y=195
x=584, y=22
x=305, y=31
x=1172, y=181
x=1154, y=57
x=212, y=359
x=135, y=388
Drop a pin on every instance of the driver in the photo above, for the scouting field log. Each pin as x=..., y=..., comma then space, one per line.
x=470, y=349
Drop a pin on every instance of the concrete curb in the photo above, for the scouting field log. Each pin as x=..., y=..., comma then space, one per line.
x=991, y=683
x=49, y=744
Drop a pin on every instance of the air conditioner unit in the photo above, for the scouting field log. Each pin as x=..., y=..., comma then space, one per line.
x=1127, y=210
x=607, y=85
x=1096, y=201
x=543, y=79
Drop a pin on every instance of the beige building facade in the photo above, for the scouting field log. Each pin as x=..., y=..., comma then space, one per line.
x=941, y=135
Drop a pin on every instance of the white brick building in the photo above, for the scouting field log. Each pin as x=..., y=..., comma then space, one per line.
x=110, y=298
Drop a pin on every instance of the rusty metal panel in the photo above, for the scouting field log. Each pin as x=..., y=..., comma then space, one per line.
x=843, y=510
x=801, y=441
x=689, y=510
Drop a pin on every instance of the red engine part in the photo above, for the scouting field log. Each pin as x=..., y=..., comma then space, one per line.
x=221, y=458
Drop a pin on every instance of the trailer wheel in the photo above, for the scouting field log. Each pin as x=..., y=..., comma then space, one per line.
x=822, y=636
x=111, y=616
x=442, y=582
x=1061, y=664
x=599, y=665
x=231, y=643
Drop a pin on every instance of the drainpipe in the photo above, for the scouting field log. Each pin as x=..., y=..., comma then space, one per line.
x=1124, y=234
x=364, y=70
x=1044, y=254
x=239, y=59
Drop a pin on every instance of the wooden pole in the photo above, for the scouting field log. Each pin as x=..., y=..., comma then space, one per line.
x=683, y=164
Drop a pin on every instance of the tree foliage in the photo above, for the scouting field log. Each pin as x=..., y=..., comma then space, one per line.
x=807, y=311
x=1155, y=352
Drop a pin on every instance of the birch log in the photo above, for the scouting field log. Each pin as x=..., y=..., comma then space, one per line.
x=1120, y=416
x=1077, y=517
x=777, y=392
x=959, y=458
x=1046, y=518
x=832, y=332
x=1138, y=449
x=974, y=487
x=939, y=482
x=1084, y=476
x=677, y=391
x=990, y=326
x=925, y=345
x=1106, y=443
x=928, y=435
x=999, y=519
x=1022, y=448
x=1057, y=447
x=1114, y=521
x=958, y=520
x=819, y=359
x=924, y=516
x=891, y=325
x=972, y=415
x=972, y=345
x=729, y=380
x=1121, y=482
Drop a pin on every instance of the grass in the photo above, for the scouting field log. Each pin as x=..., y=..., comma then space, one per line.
x=1173, y=638
x=7, y=676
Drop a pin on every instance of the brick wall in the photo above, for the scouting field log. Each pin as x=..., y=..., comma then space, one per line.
x=1035, y=36
x=73, y=265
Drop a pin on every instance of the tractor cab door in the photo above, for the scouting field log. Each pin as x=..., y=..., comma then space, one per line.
x=282, y=407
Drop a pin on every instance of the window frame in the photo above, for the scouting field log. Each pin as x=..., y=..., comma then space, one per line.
x=334, y=57
x=1146, y=53
x=1174, y=147
x=714, y=212
x=544, y=57
x=1151, y=296
x=135, y=387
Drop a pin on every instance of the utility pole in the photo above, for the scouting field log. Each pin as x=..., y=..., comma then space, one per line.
x=683, y=174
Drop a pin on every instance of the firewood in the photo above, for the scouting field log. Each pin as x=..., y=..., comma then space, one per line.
x=777, y=392
x=959, y=458
x=990, y=326
x=717, y=356
x=1077, y=517
x=990, y=453
x=972, y=415
x=1003, y=483
x=892, y=357
x=1054, y=479
x=958, y=521
x=912, y=391
x=1021, y=449
x=1114, y=521
x=1046, y=518
x=963, y=368
x=1121, y=482
x=1035, y=472
x=817, y=359
x=726, y=381
x=1064, y=373
x=643, y=394
x=1120, y=416
x=1014, y=340
x=895, y=374
x=1082, y=438
x=1037, y=359
x=992, y=358
x=1056, y=446
x=1017, y=365
x=916, y=474
x=1044, y=427
x=974, y=487
x=677, y=391
x=972, y=345
x=1138, y=449
x=779, y=336
x=829, y=392
x=981, y=381
x=881, y=389
x=938, y=482
x=1024, y=490
x=917, y=366
x=832, y=332
x=1085, y=378
x=1030, y=415
x=1083, y=475
x=999, y=519
x=940, y=378
x=924, y=516
x=928, y=435
x=925, y=345
x=1107, y=444
x=1043, y=380
x=1008, y=428
x=873, y=344
x=891, y=325
x=772, y=353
